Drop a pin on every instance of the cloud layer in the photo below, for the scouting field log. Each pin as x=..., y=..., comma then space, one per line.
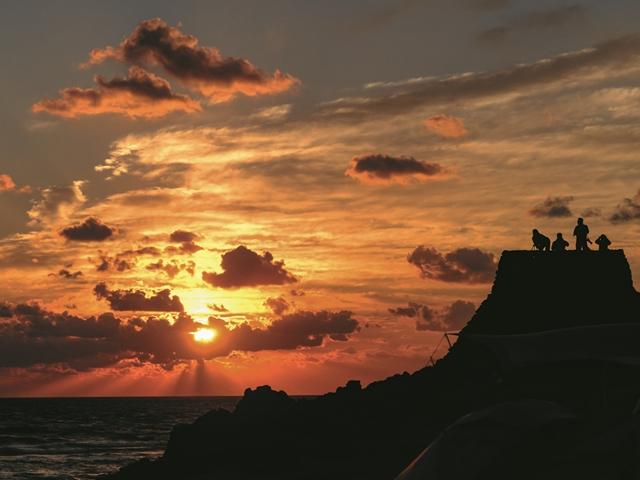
x=617, y=56
x=31, y=335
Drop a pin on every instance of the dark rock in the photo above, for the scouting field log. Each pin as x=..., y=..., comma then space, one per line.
x=263, y=401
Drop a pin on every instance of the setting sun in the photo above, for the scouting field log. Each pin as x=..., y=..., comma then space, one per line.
x=204, y=335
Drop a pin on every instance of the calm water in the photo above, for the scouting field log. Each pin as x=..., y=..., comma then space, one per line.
x=78, y=438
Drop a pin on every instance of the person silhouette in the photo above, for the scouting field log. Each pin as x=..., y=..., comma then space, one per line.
x=540, y=241
x=559, y=244
x=581, y=232
x=603, y=243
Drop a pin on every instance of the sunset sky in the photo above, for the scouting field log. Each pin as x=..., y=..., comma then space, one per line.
x=320, y=189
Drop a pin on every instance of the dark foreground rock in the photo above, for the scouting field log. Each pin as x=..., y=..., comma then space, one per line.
x=536, y=336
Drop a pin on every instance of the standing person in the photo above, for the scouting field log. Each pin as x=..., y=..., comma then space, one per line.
x=581, y=232
x=559, y=244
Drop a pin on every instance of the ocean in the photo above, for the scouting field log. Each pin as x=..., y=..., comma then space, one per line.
x=82, y=438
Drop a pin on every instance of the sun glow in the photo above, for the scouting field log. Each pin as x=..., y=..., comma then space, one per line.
x=204, y=335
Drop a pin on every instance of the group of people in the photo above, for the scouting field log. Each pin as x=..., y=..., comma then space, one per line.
x=581, y=232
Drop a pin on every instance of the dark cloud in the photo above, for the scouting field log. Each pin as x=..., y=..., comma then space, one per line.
x=187, y=241
x=451, y=317
x=300, y=329
x=246, y=268
x=627, y=211
x=185, y=248
x=36, y=336
x=296, y=293
x=153, y=251
x=180, y=236
x=618, y=56
x=536, y=20
x=205, y=69
x=64, y=273
x=125, y=260
x=172, y=267
x=591, y=212
x=113, y=263
x=217, y=308
x=91, y=230
x=139, y=95
x=553, y=207
x=277, y=305
x=31, y=335
x=137, y=300
x=380, y=168
x=463, y=265
x=5, y=310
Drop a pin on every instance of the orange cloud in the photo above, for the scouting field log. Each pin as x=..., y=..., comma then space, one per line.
x=205, y=69
x=6, y=183
x=140, y=94
x=446, y=126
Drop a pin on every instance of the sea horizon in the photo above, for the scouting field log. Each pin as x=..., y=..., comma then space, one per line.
x=69, y=438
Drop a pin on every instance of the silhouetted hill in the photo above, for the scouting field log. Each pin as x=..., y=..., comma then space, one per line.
x=535, y=336
x=536, y=291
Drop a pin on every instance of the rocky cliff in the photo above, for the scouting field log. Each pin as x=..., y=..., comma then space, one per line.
x=373, y=433
x=536, y=291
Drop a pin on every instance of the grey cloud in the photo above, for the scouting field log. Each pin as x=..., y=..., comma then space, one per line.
x=386, y=168
x=451, y=317
x=553, y=207
x=463, y=265
x=277, y=305
x=67, y=274
x=172, y=267
x=90, y=230
x=243, y=267
x=627, y=211
x=137, y=300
